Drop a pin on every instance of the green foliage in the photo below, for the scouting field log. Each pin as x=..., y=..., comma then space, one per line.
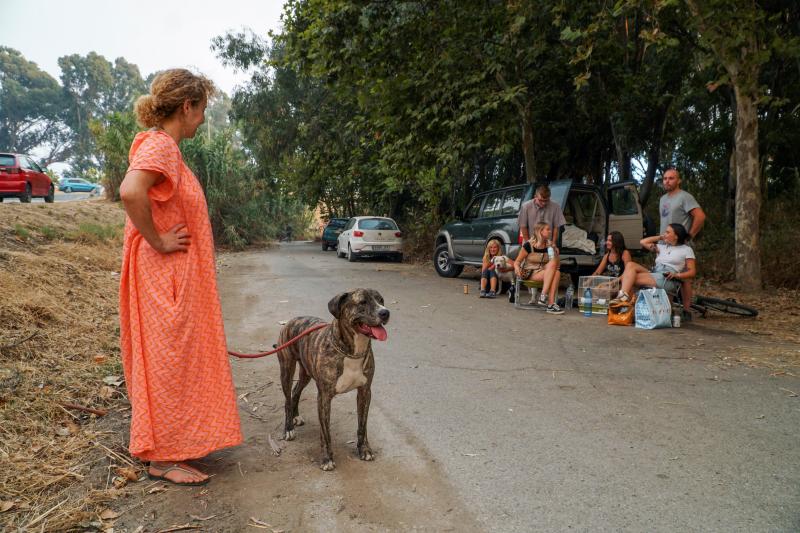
x=113, y=137
x=96, y=233
x=21, y=232
x=94, y=89
x=30, y=103
x=245, y=208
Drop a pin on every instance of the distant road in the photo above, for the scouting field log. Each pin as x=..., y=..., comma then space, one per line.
x=59, y=197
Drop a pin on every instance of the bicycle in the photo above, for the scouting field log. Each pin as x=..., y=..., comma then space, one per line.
x=703, y=304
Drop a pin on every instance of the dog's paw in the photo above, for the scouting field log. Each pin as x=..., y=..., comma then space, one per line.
x=366, y=454
x=289, y=435
x=328, y=465
x=298, y=421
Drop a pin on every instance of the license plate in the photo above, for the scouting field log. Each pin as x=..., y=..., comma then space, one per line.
x=380, y=248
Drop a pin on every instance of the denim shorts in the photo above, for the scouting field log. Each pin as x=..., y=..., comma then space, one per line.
x=488, y=274
x=669, y=285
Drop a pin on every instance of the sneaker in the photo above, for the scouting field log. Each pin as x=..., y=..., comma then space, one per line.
x=622, y=297
x=542, y=302
x=491, y=294
x=554, y=309
x=483, y=294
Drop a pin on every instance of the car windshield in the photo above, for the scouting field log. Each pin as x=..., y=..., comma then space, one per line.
x=6, y=160
x=377, y=223
x=337, y=223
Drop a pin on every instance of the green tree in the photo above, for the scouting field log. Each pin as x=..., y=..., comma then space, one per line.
x=741, y=36
x=93, y=89
x=30, y=103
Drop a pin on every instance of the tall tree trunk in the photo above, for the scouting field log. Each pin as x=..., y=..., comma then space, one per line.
x=623, y=156
x=748, y=193
x=526, y=116
x=654, y=154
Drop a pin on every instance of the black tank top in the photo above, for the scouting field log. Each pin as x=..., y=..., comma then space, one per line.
x=614, y=269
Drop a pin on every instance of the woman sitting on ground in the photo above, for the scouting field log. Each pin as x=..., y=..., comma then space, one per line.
x=534, y=264
x=490, y=272
x=615, y=259
x=675, y=261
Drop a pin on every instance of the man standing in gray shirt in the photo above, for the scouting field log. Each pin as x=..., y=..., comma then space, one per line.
x=540, y=209
x=678, y=206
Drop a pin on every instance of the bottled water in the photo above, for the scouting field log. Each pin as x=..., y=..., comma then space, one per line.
x=587, y=302
x=569, y=297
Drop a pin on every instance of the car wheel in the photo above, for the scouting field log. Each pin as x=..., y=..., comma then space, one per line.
x=25, y=198
x=67, y=190
x=350, y=255
x=443, y=264
x=339, y=253
x=324, y=247
x=51, y=195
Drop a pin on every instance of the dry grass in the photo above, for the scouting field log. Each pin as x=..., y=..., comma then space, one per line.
x=59, y=273
x=777, y=326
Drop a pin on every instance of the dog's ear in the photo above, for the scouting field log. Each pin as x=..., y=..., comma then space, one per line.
x=336, y=303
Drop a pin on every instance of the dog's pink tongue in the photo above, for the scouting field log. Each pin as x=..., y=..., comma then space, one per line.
x=378, y=332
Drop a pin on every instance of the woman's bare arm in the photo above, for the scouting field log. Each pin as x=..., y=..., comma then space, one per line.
x=133, y=193
x=602, y=266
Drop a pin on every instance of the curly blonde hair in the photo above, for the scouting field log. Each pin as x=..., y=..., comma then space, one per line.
x=169, y=90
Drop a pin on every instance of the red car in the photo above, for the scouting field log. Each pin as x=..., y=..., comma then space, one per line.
x=21, y=177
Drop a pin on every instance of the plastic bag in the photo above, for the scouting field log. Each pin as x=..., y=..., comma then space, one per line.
x=653, y=309
x=621, y=314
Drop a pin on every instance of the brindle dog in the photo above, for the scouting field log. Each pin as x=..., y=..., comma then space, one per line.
x=339, y=358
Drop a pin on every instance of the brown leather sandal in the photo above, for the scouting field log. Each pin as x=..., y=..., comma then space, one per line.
x=167, y=470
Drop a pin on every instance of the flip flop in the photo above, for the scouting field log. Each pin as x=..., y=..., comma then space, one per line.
x=166, y=471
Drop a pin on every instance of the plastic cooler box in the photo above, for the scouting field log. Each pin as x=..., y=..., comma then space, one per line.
x=604, y=288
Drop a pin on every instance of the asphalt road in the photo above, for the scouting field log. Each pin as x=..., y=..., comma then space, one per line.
x=539, y=422
x=59, y=197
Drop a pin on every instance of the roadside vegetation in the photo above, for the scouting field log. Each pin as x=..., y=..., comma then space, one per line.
x=59, y=365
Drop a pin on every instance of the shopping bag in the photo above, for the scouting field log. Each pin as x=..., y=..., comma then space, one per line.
x=621, y=314
x=653, y=309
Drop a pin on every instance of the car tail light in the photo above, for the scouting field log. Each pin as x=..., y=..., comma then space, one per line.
x=520, y=240
x=358, y=233
x=11, y=170
x=398, y=233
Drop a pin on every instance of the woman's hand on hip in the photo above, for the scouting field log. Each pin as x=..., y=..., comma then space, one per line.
x=176, y=239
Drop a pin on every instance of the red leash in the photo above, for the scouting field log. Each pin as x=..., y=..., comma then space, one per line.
x=282, y=346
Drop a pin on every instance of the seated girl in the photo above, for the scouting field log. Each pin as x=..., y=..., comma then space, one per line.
x=490, y=271
x=675, y=261
x=534, y=264
x=616, y=257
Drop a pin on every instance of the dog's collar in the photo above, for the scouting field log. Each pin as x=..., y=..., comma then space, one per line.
x=345, y=353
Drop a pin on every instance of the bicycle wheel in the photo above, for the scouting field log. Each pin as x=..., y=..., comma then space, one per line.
x=726, y=306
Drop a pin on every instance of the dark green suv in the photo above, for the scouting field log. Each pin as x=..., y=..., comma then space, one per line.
x=330, y=235
x=591, y=213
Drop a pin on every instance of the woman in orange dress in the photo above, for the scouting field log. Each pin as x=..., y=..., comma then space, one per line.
x=173, y=342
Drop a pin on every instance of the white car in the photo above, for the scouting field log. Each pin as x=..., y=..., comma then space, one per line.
x=370, y=236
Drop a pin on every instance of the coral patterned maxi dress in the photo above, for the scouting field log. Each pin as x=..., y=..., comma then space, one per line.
x=173, y=342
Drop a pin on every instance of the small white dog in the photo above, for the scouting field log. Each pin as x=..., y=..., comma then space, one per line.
x=501, y=264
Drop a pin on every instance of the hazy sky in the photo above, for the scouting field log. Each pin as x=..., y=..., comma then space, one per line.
x=153, y=34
